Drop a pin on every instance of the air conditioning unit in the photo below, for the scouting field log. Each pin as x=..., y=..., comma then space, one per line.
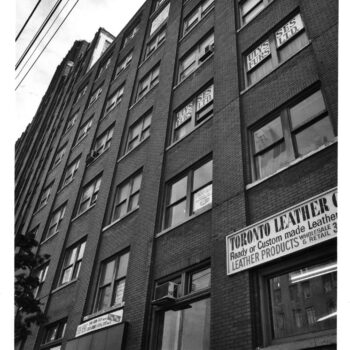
x=208, y=50
x=165, y=293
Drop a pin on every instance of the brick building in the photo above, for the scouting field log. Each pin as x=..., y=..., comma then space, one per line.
x=182, y=177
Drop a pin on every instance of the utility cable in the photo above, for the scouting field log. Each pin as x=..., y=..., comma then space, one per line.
x=31, y=55
x=47, y=44
x=38, y=32
x=26, y=22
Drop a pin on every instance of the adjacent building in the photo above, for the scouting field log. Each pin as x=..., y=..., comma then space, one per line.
x=182, y=176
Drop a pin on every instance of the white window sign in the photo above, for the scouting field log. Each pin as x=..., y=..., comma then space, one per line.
x=291, y=28
x=202, y=198
x=162, y=17
x=184, y=114
x=258, y=55
x=100, y=322
x=205, y=97
x=304, y=225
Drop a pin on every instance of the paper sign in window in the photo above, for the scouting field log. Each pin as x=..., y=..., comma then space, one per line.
x=184, y=115
x=205, y=97
x=291, y=28
x=258, y=55
x=202, y=198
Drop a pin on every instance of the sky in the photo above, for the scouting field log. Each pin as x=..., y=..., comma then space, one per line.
x=82, y=24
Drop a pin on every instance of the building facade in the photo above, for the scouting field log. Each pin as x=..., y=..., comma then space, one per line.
x=182, y=177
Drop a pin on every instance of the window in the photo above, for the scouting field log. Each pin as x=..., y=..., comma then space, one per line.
x=189, y=194
x=71, y=121
x=278, y=47
x=250, y=8
x=194, y=113
x=127, y=196
x=33, y=232
x=83, y=131
x=81, y=93
x=103, y=142
x=104, y=66
x=70, y=172
x=309, y=311
x=155, y=42
x=139, y=131
x=44, y=197
x=114, y=100
x=59, y=156
x=157, y=4
x=89, y=195
x=195, y=16
x=54, y=332
x=41, y=276
x=298, y=130
x=111, y=285
x=160, y=19
x=95, y=95
x=124, y=64
x=130, y=34
x=186, y=323
x=191, y=61
x=72, y=263
x=148, y=82
x=55, y=222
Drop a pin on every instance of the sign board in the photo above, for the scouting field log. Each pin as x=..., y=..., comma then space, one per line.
x=184, y=114
x=205, y=97
x=291, y=28
x=202, y=198
x=162, y=17
x=100, y=322
x=258, y=55
x=304, y=225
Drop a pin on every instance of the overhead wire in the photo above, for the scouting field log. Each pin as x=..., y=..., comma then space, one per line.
x=28, y=19
x=30, y=68
x=53, y=10
x=31, y=55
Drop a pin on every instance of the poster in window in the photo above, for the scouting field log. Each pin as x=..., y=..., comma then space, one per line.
x=184, y=115
x=202, y=198
x=205, y=97
x=258, y=55
x=291, y=28
x=160, y=19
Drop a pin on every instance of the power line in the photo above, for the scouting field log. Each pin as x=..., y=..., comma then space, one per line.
x=30, y=16
x=47, y=44
x=38, y=32
x=31, y=55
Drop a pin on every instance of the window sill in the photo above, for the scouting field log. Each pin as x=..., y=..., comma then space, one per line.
x=161, y=233
x=148, y=57
x=63, y=286
x=192, y=73
x=144, y=96
x=158, y=10
x=273, y=70
x=67, y=131
x=315, y=341
x=120, y=73
x=120, y=219
x=291, y=164
x=40, y=209
x=82, y=213
x=195, y=26
x=246, y=24
x=47, y=239
x=98, y=157
x=105, y=116
x=193, y=130
x=55, y=167
x=64, y=187
x=137, y=146
x=104, y=311
x=79, y=142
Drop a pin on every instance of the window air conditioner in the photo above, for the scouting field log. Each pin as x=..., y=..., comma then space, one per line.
x=165, y=293
x=208, y=50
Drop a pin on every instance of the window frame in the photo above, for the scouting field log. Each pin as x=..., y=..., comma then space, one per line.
x=95, y=184
x=113, y=283
x=140, y=136
x=56, y=224
x=83, y=131
x=264, y=3
x=81, y=92
x=104, y=66
x=75, y=265
x=124, y=64
x=40, y=274
x=72, y=167
x=288, y=133
x=148, y=82
x=71, y=122
x=156, y=41
x=131, y=33
x=189, y=194
x=44, y=196
x=59, y=156
x=107, y=135
x=60, y=326
x=159, y=25
x=95, y=95
x=116, y=98
x=129, y=183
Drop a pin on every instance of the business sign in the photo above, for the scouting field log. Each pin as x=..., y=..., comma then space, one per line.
x=304, y=225
x=205, y=97
x=184, y=114
x=258, y=55
x=162, y=17
x=202, y=198
x=291, y=28
x=99, y=322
